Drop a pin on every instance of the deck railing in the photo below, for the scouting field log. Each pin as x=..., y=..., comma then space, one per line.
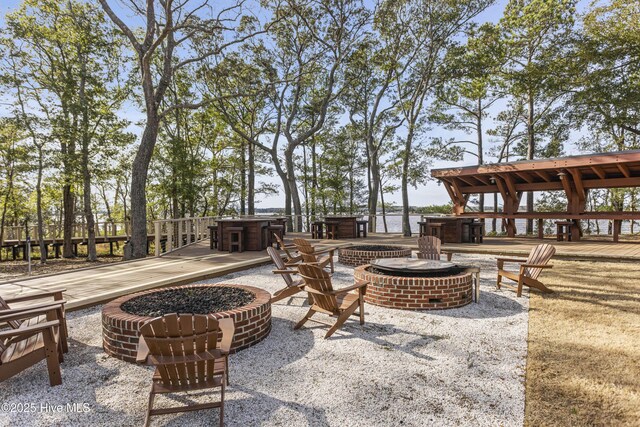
x=172, y=234
x=54, y=231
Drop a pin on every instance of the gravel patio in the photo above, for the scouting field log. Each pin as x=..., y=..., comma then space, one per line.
x=454, y=367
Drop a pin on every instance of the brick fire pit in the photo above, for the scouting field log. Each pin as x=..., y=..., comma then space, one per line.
x=120, y=329
x=416, y=293
x=364, y=254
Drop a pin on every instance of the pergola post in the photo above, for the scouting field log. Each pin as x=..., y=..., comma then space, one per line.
x=511, y=202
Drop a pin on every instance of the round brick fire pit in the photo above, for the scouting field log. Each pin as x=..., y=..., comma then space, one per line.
x=120, y=329
x=364, y=254
x=415, y=293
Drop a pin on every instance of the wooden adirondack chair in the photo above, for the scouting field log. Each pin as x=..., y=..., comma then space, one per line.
x=311, y=256
x=37, y=337
x=58, y=303
x=530, y=269
x=293, y=286
x=291, y=259
x=429, y=248
x=185, y=351
x=339, y=302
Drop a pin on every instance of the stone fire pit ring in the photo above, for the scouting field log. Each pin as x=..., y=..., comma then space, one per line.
x=364, y=254
x=415, y=293
x=120, y=329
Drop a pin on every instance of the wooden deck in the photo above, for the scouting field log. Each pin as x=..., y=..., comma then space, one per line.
x=96, y=285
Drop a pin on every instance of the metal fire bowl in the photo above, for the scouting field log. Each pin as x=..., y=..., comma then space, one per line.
x=412, y=265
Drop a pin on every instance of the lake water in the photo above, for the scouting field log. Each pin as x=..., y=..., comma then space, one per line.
x=394, y=225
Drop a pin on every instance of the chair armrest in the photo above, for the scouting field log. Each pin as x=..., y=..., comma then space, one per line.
x=57, y=295
x=23, y=333
x=143, y=350
x=56, y=303
x=8, y=315
x=284, y=272
x=324, y=251
x=536, y=266
x=228, y=328
x=511, y=259
x=348, y=288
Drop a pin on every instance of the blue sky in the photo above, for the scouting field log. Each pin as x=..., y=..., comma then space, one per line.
x=429, y=193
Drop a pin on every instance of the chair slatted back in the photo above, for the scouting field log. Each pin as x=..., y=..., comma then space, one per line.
x=306, y=250
x=318, y=279
x=429, y=247
x=540, y=255
x=15, y=324
x=277, y=260
x=282, y=246
x=185, y=335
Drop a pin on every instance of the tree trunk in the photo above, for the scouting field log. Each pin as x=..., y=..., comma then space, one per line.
x=5, y=203
x=43, y=245
x=68, y=204
x=406, y=226
x=251, y=197
x=372, y=205
x=384, y=211
x=293, y=189
x=305, y=174
x=480, y=150
x=314, y=178
x=530, y=154
x=68, y=200
x=495, y=209
x=139, y=170
x=86, y=175
x=243, y=179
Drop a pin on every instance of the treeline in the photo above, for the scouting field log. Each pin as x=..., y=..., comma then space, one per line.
x=336, y=99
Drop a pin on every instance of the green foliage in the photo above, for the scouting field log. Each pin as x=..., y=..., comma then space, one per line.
x=435, y=209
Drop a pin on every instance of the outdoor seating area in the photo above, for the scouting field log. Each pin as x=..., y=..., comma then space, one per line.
x=319, y=213
x=275, y=374
x=430, y=338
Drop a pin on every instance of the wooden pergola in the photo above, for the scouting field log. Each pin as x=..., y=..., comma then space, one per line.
x=575, y=175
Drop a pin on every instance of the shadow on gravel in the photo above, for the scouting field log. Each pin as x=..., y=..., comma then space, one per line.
x=376, y=332
x=492, y=305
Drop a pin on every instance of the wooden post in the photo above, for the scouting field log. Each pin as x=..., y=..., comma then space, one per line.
x=169, y=247
x=540, y=228
x=180, y=223
x=617, y=227
x=156, y=225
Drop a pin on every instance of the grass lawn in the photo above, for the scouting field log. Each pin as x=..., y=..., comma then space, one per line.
x=583, y=365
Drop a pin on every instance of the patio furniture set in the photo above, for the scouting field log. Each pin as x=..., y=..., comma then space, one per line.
x=191, y=352
x=339, y=227
x=452, y=229
x=246, y=234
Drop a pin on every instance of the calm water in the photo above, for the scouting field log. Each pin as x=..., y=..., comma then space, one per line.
x=394, y=225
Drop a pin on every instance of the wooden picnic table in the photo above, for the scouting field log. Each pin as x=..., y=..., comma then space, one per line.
x=346, y=225
x=456, y=228
x=254, y=239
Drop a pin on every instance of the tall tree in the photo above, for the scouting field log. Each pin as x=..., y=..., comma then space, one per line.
x=605, y=76
x=304, y=65
x=372, y=111
x=536, y=36
x=64, y=58
x=466, y=99
x=177, y=35
x=423, y=30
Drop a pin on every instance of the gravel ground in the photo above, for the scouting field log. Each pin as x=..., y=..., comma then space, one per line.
x=454, y=367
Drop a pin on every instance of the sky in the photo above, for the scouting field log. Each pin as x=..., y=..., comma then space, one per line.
x=429, y=193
